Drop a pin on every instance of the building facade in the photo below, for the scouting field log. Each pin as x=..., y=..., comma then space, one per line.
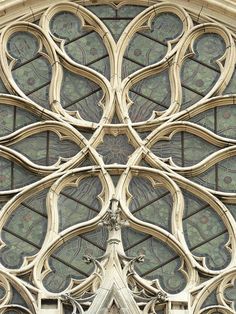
x=118, y=157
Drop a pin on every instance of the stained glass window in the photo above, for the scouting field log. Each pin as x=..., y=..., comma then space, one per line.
x=117, y=159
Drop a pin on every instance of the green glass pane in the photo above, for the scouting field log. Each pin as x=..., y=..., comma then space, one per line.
x=102, y=66
x=87, y=50
x=38, y=202
x=102, y=10
x=2, y=203
x=82, y=95
x=6, y=119
x=130, y=10
x=150, y=204
x=32, y=77
x=11, y=255
x=198, y=78
x=220, y=120
x=116, y=27
x=166, y=149
x=41, y=97
x=24, y=231
x=232, y=209
x=33, y=147
x=129, y=66
x=226, y=117
x=195, y=149
x=142, y=107
x=210, y=300
x=200, y=72
x=45, y=148
x=230, y=294
x=2, y=292
x=185, y=149
x=149, y=46
x=23, y=46
x=88, y=107
x=160, y=261
x=57, y=148
x=23, y=118
x=79, y=204
x=115, y=149
x=22, y=177
x=28, y=224
x=227, y=175
x=3, y=88
x=221, y=176
x=207, y=178
x=165, y=26
x=192, y=204
x=208, y=48
x=148, y=95
x=13, y=176
x=144, y=50
x=67, y=261
x=217, y=257
x=231, y=87
x=206, y=235
x=17, y=298
x=206, y=119
x=68, y=309
x=5, y=174
x=189, y=98
x=13, y=118
x=66, y=25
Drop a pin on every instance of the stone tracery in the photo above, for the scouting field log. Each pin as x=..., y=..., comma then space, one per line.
x=111, y=154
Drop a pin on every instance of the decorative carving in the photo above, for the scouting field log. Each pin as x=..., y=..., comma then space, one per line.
x=77, y=303
x=113, y=219
x=147, y=299
x=74, y=70
x=99, y=267
x=141, y=293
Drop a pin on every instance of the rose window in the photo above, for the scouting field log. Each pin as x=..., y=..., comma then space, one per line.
x=117, y=160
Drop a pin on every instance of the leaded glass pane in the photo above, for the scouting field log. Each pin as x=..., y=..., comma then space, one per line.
x=115, y=149
x=161, y=261
x=150, y=204
x=79, y=204
x=117, y=167
x=67, y=261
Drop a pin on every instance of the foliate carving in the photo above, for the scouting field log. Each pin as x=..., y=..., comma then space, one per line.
x=77, y=303
x=114, y=217
x=140, y=292
x=146, y=299
x=99, y=268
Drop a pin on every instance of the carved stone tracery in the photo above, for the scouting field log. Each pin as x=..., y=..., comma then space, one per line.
x=115, y=162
